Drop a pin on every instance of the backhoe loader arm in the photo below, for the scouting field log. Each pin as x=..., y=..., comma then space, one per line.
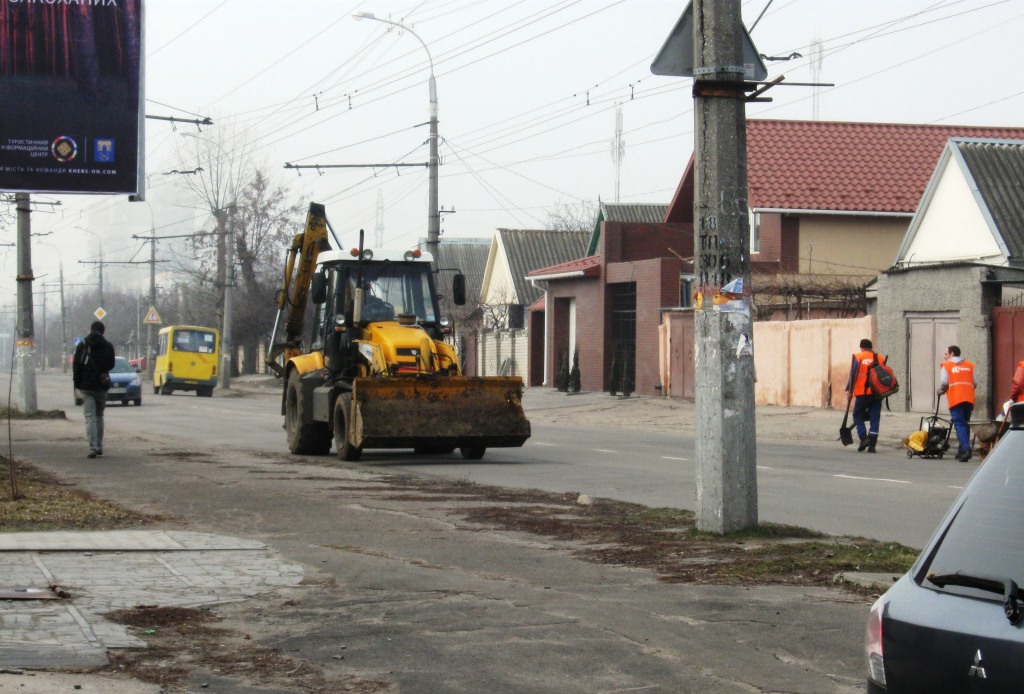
x=291, y=299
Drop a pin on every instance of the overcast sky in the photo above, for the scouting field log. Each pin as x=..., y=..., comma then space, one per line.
x=527, y=91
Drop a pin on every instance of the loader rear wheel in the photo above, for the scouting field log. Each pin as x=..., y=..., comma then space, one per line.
x=305, y=437
x=344, y=447
x=473, y=452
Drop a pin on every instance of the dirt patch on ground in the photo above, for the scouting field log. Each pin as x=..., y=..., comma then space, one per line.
x=15, y=413
x=33, y=500
x=185, y=644
x=663, y=540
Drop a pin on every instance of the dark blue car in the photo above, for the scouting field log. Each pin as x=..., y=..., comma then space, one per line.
x=955, y=621
x=125, y=385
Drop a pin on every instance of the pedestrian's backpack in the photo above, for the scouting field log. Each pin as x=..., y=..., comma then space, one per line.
x=881, y=380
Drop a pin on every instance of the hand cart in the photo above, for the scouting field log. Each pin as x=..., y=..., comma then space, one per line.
x=932, y=438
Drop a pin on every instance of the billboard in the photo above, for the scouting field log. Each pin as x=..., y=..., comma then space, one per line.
x=70, y=92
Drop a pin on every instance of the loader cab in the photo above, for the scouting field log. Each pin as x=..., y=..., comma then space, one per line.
x=396, y=287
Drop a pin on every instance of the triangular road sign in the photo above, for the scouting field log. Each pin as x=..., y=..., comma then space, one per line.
x=676, y=57
x=152, y=316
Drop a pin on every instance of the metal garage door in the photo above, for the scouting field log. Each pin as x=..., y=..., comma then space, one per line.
x=930, y=334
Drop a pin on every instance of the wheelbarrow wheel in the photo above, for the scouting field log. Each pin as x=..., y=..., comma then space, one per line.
x=910, y=454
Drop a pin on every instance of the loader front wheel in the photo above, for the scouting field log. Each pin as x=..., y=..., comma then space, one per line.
x=473, y=452
x=344, y=447
x=305, y=437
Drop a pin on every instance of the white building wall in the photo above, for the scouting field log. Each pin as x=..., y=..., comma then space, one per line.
x=498, y=347
x=953, y=227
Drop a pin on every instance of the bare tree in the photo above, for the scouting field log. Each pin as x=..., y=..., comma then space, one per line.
x=222, y=164
x=267, y=220
x=573, y=216
x=495, y=315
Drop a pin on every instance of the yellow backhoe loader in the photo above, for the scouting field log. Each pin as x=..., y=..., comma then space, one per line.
x=375, y=370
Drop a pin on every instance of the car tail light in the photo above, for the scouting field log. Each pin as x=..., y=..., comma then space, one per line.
x=873, y=643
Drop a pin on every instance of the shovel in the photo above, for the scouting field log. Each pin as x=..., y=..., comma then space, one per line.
x=845, y=432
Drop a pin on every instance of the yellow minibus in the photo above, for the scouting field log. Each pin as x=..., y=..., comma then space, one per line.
x=187, y=358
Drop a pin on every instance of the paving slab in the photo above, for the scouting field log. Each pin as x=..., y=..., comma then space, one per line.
x=111, y=570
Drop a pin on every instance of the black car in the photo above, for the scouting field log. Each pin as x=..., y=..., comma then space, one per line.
x=955, y=621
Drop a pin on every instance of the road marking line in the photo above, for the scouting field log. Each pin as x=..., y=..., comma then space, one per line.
x=873, y=479
x=541, y=443
x=764, y=467
x=602, y=450
x=668, y=457
x=953, y=486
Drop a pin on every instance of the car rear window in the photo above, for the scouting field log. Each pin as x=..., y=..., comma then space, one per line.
x=986, y=537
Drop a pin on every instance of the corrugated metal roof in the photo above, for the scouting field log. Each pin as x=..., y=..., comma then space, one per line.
x=997, y=168
x=529, y=249
x=641, y=212
x=644, y=212
x=467, y=255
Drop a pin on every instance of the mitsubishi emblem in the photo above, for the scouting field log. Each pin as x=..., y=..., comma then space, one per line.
x=977, y=670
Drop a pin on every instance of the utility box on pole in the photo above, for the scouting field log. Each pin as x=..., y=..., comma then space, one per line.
x=725, y=433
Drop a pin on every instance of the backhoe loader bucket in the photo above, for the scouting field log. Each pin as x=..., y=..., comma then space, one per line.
x=438, y=412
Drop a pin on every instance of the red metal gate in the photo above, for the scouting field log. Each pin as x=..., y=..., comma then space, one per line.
x=1007, y=350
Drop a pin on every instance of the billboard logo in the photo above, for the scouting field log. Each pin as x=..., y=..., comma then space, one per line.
x=64, y=148
x=103, y=151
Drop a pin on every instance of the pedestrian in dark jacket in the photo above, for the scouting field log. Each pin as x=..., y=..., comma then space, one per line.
x=94, y=358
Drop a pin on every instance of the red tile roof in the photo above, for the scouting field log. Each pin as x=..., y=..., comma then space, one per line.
x=856, y=167
x=588, y=267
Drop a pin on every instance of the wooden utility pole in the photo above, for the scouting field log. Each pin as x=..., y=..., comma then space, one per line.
x=725, y=435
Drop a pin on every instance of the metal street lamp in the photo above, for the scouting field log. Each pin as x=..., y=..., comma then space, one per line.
x=433, y=215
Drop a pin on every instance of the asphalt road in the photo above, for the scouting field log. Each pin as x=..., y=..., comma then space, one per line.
x=403, y=593
x=812, y=484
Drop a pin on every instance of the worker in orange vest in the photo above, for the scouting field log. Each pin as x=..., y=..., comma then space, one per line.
x=866, y=407
x=956, y=380
x=1017, y=392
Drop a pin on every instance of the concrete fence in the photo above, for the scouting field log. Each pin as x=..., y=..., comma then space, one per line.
x=803, y=363
x=807, y=363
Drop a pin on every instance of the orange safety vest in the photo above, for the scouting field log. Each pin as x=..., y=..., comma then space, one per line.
x=1020, y=398
x=864, y=358
x=961, y=382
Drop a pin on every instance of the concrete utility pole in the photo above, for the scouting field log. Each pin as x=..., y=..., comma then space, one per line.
x=99, y=262
x=63, y=324
x=25, y=330
x=229, y=283
x=150, y=357
x=726, y=449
